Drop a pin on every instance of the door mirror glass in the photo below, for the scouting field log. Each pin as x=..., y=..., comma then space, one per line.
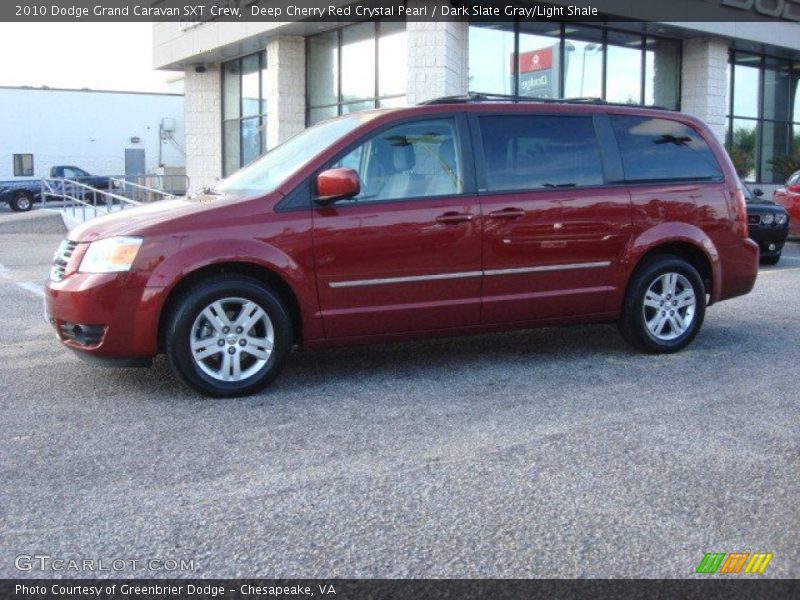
x=758, y=192
x=337, y=184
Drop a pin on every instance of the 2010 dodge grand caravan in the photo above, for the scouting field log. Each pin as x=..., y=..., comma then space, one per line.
x=458, y=216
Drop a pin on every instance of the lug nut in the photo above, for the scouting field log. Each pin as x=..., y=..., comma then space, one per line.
x=226, y=329
x=231, y=350
x=243, y=342
x=239, y=330
x=221, y=343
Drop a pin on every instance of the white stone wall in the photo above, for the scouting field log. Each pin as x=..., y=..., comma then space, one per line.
x=285, y=88
x=203, y=118
x=704, y=81
x=437, y=59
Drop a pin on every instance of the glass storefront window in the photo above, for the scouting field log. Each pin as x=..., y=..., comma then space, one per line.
x=583, y=63
x=392, y=59
x=565, y=60
x=624, y=73
x=491, y=54
x=244, y=111
x=539, y=61
x=762, y=129
x=358, y=62
x=341, y=75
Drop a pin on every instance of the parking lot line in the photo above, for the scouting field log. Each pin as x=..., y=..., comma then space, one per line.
x=33, y=288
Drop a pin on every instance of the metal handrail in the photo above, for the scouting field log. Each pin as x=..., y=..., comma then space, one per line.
x=67, y=192
x=124, y=182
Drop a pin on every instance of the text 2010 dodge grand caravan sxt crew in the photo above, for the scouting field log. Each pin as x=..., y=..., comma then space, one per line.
x=440, y=219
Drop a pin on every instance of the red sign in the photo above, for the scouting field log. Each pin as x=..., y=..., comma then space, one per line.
x=535, y=60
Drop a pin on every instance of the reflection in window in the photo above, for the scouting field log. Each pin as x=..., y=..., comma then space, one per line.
x=491, y=54
x=762, y=133
x=623, y=79
x=533, y=152
x=341, y=78
x=539, y=61
x=573, y=61
x=244, y=110
x=663, y=150
x=412, y=160
x=583, y=59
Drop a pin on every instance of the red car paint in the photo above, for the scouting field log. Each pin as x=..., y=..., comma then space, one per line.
x=789, y=197
x=307, y=250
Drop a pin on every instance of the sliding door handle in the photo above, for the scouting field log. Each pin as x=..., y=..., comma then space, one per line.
x=507, y=213
x=454, y=217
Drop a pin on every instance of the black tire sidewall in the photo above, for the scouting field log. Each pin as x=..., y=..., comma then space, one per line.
x=634, y=316
x=195, y=300
x=770, y=260
x=15, y=202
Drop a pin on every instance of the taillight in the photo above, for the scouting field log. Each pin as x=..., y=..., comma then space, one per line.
x=741, y=211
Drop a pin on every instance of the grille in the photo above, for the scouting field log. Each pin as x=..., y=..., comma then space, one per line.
x=753, y=220
x=61, y=259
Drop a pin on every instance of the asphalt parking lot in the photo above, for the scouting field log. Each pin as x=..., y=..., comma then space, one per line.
x=551, y=453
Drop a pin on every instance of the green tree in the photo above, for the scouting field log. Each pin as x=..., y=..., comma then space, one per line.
x=743, y=151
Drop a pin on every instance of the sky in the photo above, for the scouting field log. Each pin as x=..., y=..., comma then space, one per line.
x=100, y=56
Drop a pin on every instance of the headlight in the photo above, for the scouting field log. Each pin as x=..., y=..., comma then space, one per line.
x=112, y=255
x=767, y=219
x=780, y=219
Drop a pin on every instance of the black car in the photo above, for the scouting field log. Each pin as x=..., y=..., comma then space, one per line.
x=768, y=224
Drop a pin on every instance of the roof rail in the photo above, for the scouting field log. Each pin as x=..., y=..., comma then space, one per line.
x=475, y=97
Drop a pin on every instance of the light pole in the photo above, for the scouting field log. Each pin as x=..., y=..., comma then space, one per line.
x=586, y=50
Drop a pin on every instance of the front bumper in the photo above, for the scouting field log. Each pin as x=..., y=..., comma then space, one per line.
x=769, y=235
x=100, y=316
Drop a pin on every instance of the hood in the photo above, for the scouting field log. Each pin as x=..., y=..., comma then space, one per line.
x=136, y=221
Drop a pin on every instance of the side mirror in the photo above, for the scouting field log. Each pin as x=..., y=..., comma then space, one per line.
x=337, y=184
x=758, y=192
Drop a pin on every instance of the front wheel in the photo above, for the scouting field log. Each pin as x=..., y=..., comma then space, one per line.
x=228, y=337
x=770, y=260
x=664, y=306
x=22, y=202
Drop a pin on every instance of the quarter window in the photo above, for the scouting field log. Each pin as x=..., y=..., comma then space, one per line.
x=412, y=160
x=23, y=165
x=663, y=150
x=540, y=152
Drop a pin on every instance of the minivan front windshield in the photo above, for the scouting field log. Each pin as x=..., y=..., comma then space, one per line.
x=268, y=172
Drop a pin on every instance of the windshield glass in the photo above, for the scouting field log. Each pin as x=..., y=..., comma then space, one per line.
x=272, y=169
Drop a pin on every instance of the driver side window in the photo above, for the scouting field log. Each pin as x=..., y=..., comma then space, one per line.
x=412, y=160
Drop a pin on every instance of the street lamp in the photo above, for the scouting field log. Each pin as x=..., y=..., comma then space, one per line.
x=587, y=49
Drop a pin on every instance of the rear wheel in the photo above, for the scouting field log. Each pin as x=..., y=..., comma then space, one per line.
x=22, y=202
x=664, y=306
x=229, y=336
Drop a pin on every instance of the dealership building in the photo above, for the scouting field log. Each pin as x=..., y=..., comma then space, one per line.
x=251, y=85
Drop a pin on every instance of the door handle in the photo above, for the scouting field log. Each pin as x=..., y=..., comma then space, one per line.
x=507, y=213
x=454, y=217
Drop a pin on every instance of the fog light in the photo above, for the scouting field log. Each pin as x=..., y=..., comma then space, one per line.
x=771, y=247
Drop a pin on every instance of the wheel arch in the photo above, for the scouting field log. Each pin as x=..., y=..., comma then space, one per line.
x=248, y=269
x=685, y=241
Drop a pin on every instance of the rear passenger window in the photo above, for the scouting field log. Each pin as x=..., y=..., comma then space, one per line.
x=663, y=150
x=540, y=152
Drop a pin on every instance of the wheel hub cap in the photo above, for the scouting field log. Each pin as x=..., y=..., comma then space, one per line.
x=673, y=292
x=231, y=339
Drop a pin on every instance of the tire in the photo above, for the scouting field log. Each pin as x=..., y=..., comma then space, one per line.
x=212, y=316
x=640, y=323
x=22, y=202
x=770, y=260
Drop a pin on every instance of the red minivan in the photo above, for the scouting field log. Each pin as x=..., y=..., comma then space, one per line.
x=459, y=216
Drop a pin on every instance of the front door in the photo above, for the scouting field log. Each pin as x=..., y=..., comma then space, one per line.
x=405, y=254
x=553, y=231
